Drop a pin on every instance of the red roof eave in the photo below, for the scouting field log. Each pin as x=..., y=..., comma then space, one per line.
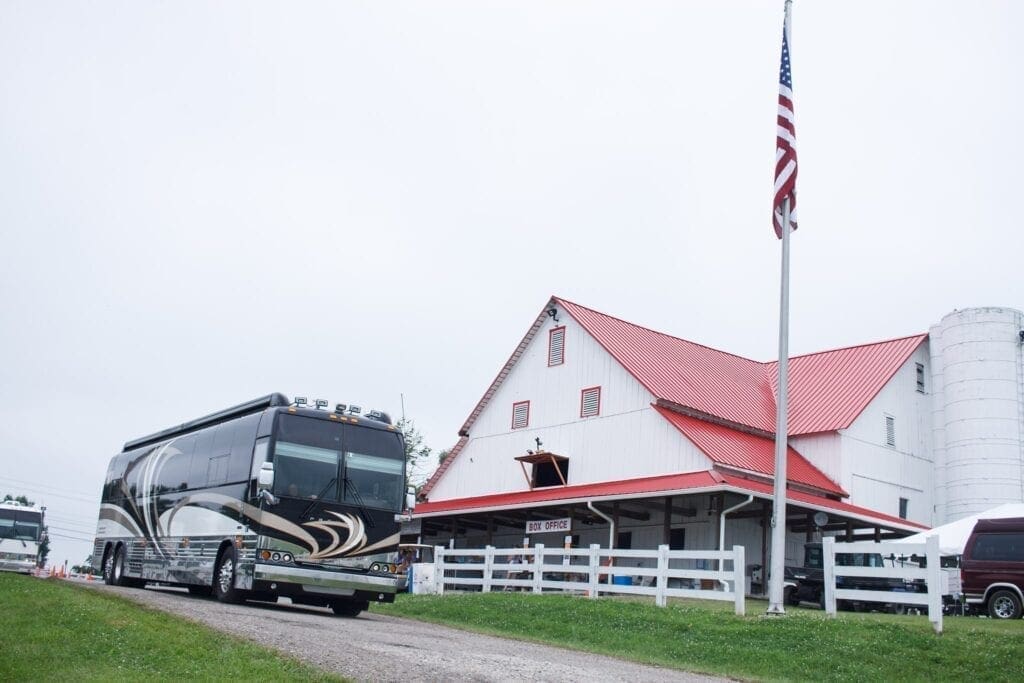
x=687, y=483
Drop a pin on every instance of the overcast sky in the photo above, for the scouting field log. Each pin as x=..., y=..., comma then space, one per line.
x=201, y=203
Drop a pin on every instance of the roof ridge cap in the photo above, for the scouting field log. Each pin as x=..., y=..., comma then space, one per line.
x=654, y=331
x=920, y=336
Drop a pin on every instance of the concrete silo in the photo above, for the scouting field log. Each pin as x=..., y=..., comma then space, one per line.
x=977, y=363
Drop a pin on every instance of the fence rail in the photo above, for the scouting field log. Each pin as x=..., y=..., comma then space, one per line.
x=596, y=571
x=930, y=575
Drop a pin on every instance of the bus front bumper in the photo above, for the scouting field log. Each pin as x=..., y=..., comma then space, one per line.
x=324, y=581
x=22, y=566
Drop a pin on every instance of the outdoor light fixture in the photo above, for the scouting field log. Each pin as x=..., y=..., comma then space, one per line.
x=300, y=400
x=354, y=410
x=553, y=314
x=340, y=408
x=320, y=403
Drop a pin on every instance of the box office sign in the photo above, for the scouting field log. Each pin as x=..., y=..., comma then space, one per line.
x=549, y=525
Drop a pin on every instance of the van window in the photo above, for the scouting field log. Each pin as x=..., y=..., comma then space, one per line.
x=999, y=547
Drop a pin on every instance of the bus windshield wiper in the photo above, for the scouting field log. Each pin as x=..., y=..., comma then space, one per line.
x=359, y=501
x=318, y=497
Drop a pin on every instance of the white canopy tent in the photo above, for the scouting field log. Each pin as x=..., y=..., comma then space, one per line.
x=953, y=536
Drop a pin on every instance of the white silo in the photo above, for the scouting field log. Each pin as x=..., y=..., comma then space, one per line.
x=978, y=412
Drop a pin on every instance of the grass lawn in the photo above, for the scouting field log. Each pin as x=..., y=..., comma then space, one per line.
x=53, y=630
x=707, y=637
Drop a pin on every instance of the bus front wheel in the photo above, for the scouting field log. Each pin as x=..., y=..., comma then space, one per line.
x=349, y=608
x=224, y=577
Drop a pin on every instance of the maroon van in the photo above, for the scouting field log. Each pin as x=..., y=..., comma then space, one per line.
x=992, y=567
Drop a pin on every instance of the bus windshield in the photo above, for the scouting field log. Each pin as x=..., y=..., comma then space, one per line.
x=321, y=460
x=22, y=525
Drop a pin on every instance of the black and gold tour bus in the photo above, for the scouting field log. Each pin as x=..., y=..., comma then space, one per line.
x=264, y=499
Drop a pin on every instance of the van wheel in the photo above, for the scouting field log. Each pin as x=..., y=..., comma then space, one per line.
x=224, y=577
x=1004, y=604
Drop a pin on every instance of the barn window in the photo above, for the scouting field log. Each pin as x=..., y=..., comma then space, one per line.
x=904, y=503
x=590, y=402
x=920, y=377
x=548, y=469
x=556, y=346
x=890, y=431
x=520, y=414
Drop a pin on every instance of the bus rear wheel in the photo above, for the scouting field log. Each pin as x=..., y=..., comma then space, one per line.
x=108, y=567
x=349, y=608
x=117, y=571
x=224, y=577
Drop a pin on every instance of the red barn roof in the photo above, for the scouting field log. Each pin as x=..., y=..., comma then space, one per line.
x=828, y=390
x=686, y=483
x=748, y=452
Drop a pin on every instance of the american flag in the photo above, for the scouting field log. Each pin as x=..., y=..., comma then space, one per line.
x=785, y=140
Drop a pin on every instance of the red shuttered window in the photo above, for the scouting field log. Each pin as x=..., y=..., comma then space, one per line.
x=556, y=346
x=590, y=402
x=520, y=414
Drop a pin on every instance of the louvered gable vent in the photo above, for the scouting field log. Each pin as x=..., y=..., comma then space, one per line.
x=556, y=346
x=590, y=402
x=520, y=415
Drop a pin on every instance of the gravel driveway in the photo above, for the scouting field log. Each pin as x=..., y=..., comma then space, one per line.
x=373, y=647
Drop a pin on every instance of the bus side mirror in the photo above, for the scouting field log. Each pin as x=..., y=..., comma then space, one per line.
x=410, y=498
x=265, y=479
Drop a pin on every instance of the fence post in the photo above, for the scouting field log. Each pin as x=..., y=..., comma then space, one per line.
x=538, y=563
x=488, y=567
x=439, y=568
x=739, y=584
x=828, y=561
x=595, y=565
x=662, y=580
x=931, y=545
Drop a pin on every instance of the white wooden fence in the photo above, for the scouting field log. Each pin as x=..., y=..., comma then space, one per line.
x=931, y=574
x=660, y=573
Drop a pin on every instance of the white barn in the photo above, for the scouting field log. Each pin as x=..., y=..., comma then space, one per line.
x=638, y=438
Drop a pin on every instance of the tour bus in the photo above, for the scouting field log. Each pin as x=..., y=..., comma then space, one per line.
x=21, y=528
x=265, y=499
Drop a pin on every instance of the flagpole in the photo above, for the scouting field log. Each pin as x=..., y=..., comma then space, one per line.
x=778, y=521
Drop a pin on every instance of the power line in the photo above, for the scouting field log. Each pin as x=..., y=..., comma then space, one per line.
x=70, y=531
x=73, y=538
x=84, y=526
x=44, y=486
x=46, y=494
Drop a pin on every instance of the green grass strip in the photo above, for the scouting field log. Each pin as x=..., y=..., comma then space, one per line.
x=54, y=630
x=707, y=637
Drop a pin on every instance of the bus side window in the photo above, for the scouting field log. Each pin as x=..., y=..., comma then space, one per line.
x=242, y=448
x=177, y=463
x=201, y=458
x=217, y=470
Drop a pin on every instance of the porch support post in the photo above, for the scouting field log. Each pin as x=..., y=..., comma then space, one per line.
x=666, y=525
